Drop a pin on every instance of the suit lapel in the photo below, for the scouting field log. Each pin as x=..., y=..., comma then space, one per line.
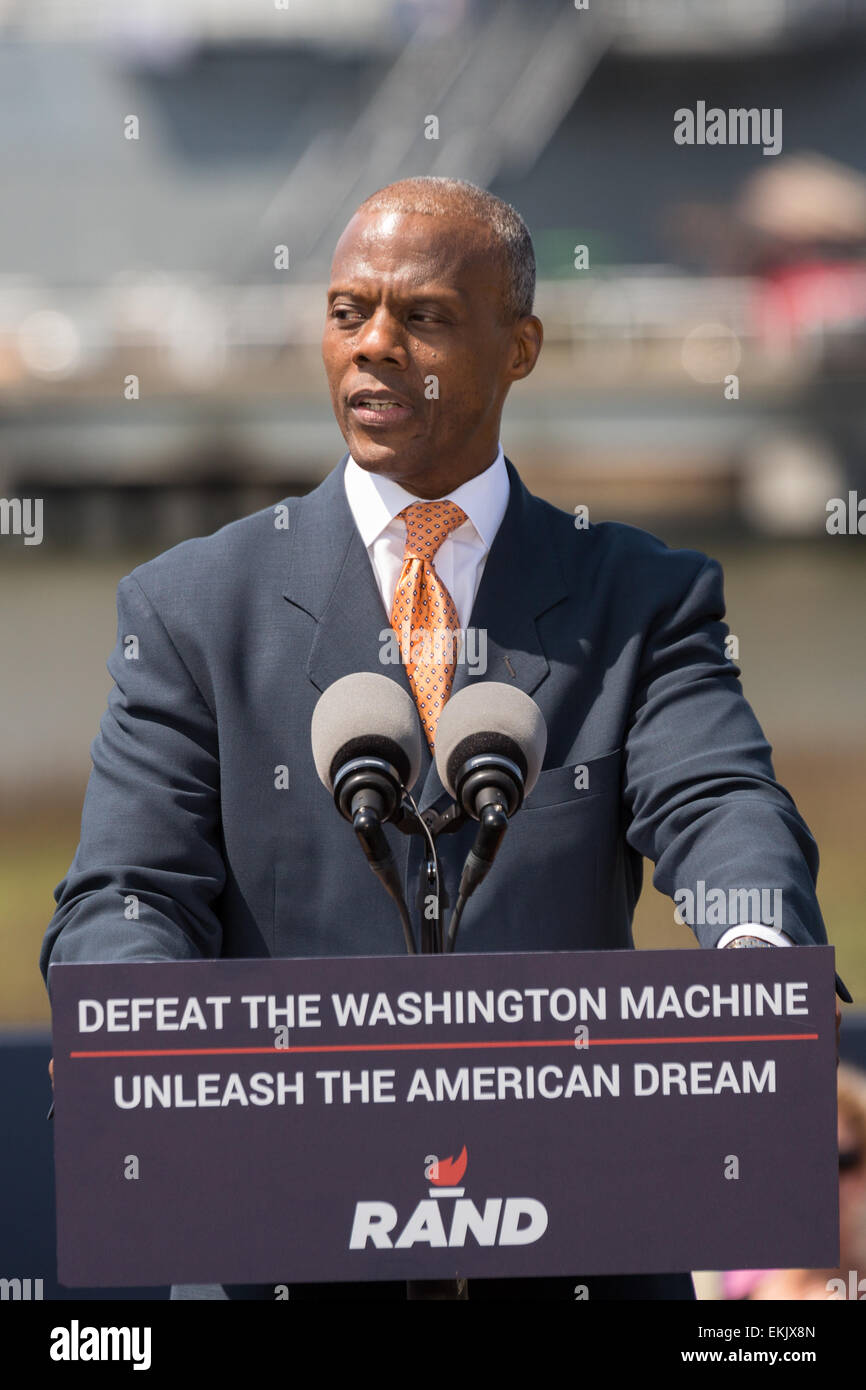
x=331, y=578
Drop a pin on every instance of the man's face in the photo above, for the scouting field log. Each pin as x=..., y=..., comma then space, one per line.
x=418, y=356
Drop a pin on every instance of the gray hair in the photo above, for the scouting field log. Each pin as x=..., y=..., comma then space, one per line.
x=508, y=231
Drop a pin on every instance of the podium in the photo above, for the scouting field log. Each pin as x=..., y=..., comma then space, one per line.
x=444, y=1117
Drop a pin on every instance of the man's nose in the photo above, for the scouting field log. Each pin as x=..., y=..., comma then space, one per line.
x=381, y=339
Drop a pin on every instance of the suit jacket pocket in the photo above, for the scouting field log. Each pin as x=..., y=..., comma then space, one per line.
x=578, y=781
x=555, y=885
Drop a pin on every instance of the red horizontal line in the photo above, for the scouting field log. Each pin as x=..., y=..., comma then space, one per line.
x=446, y=1046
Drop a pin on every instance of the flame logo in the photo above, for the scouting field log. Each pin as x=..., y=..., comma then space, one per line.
x=445, y=1172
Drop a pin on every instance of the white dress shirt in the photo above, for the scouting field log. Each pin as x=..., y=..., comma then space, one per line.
x=459, y=562
x=376, y=502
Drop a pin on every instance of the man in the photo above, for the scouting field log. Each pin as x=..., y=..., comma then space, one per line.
x=203, y=804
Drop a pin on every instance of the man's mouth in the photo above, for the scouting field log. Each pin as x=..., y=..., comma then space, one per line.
x=379, y=410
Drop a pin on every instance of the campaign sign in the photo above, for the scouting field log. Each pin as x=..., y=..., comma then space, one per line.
x=257, y=1121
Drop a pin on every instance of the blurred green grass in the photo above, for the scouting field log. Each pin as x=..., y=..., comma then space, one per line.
x=36, y=850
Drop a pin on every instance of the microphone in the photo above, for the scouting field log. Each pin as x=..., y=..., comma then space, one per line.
x=366, y=739
x=490, y=744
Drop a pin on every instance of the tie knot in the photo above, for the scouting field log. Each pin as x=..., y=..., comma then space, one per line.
x=427, y=525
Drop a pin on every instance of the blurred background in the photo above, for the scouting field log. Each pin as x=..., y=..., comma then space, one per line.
x=174, y=176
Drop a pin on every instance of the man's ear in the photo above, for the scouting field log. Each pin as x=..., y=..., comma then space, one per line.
x=526, y=346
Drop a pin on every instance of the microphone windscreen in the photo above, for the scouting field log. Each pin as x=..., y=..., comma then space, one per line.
x=366, y=715
x=490, y=717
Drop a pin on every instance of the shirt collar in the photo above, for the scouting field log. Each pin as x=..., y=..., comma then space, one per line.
x=376, y=500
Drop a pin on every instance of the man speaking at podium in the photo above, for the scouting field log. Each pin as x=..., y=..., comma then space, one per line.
x=205, y=830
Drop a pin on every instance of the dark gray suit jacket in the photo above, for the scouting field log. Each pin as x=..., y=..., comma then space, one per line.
x=619, y=640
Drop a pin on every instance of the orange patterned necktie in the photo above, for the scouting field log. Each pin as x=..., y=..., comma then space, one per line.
x=423, y=613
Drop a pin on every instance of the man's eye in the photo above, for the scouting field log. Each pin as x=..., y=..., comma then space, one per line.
x=344, y=313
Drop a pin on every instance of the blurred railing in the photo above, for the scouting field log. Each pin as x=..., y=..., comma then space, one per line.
x=189, y=335
x=643, y=25
x=164, y=383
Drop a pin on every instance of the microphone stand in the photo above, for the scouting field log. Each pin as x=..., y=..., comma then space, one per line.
x=432, y=884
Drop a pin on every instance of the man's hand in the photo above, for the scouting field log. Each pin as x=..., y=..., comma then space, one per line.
x=51, y=1071
x=746, y=941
